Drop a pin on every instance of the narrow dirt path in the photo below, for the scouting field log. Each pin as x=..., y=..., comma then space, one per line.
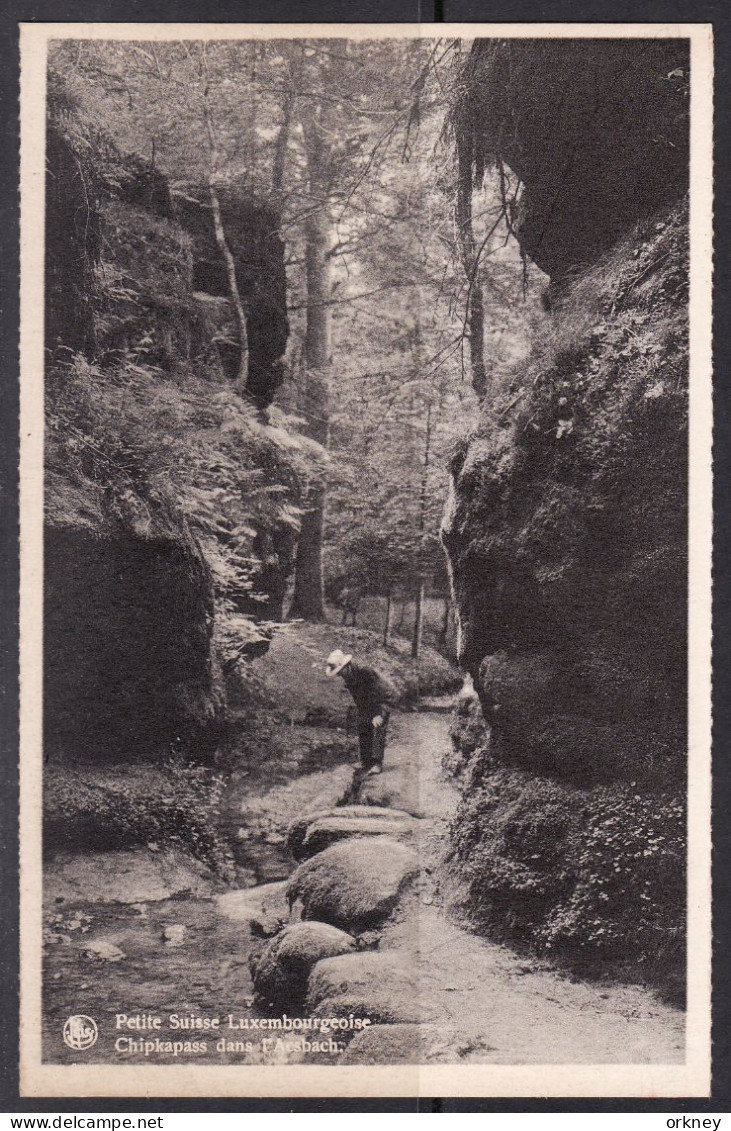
x=491, y=1005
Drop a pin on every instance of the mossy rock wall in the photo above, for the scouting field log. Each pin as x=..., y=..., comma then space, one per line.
x=597, y=131
x=135, y=284
x=73, y=242
x=146, y=309
x=125, y=258
x=591, y=876
x=566, y=530
x=129, y=666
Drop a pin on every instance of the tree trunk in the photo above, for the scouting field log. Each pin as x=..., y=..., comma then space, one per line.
x=387, y=626
x=309, y=589
x=423, y=499
x=477, y=335
x=222, y=242
x=475, y=316
x=240, y=313
x=444, y=627
x=309, y=603
x=279, y=162
x=418, y=620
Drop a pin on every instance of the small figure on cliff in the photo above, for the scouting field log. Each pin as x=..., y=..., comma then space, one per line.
x=372, y=696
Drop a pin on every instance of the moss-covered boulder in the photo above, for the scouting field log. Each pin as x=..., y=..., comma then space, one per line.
x=310, y=835
x=353, y=884
x=284, y=966
x=383, y=987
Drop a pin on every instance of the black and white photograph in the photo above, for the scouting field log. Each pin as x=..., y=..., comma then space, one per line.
x=365, y=530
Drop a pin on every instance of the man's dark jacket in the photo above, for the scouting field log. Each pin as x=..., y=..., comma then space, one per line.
x=371, y=694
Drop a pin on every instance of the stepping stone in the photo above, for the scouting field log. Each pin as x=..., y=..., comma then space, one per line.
x=381, y=986
x=353, y=884
x=284, y=966
x=394, y=788
x=397, y=1044
x=299, y=829
x=329, y=830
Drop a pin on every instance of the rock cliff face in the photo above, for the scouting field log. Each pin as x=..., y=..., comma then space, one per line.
x=566, y=528
x=73, y=244
x=129, y=666
x=597, y=131
x=130, y=669
x=131, y=207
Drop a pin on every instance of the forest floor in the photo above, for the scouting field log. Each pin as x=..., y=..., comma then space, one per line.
x=290, y=678
x=144, y=931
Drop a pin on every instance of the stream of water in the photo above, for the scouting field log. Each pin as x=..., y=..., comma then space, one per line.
x=115, y=947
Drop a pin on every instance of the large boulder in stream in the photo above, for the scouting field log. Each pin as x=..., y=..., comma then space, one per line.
x=354, y=884
x=283, y=969
x=312, y=834
x=400, y=1044
x=383, y=987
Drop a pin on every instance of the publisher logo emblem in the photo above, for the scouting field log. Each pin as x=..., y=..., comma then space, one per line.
x=80, y=1032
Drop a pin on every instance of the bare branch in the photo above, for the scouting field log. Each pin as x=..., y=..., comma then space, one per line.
x=221, y=233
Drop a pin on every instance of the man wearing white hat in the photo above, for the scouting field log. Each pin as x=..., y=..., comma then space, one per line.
x=371, y=695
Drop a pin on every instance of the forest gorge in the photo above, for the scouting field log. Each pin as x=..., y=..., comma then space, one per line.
x=390, y=332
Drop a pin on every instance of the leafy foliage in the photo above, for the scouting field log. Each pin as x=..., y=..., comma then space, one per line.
x=403, y=398
x=397, y=285
x=148, y=445
x=594, y=877
x=176, y=804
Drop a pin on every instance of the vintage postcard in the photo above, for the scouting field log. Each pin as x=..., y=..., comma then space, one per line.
x=366, y=531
